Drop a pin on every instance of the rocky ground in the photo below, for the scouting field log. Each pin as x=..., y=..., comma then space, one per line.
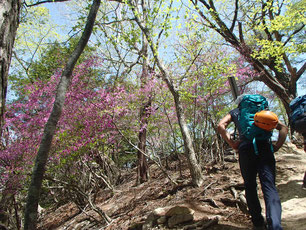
x=159, y=204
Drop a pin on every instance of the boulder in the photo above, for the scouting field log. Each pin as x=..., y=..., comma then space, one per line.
x=179, y=210
x=179, y=219
x=178, y=215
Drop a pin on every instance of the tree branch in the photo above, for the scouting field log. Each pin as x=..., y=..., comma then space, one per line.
x=160, y=33
x=191, y=64
x=263, y=13
x=210, y=24
x=301, y=71
x=240, y=32
x=295, y=32
x=223, y=30
x=45, y=1
x=235, y=16
x=26, y=69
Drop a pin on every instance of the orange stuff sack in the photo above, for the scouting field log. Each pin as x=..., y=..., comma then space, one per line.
x=266, y=120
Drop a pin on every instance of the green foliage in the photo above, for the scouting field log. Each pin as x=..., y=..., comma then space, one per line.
x=53, y=57
x=280, y=34
x=127, y=160
x=35, y=32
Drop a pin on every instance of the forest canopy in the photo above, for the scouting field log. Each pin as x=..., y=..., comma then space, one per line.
x=149, y=87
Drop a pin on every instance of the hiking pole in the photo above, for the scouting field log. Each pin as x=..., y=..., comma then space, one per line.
x=235, y=94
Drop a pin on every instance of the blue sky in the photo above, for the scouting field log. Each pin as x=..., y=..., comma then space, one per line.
x=301, y=88
x=60, y=14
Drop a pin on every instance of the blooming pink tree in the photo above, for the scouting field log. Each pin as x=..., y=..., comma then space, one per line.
x=89, y=115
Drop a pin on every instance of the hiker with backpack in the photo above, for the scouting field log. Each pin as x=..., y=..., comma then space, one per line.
x=297, y=120
x=256, y=155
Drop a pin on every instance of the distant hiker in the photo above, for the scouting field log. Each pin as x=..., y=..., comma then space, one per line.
x=297, y=120
x=256, y=155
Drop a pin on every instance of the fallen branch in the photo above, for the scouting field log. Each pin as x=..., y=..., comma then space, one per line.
x=210, y=184
x=239, y=186
x=243, y=203
x=212, y=202
x=229, y=202
x=240, y=200
x=101, y=213
x=234, y=192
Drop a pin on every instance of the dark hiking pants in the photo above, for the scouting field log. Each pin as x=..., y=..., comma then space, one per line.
x=262, y=165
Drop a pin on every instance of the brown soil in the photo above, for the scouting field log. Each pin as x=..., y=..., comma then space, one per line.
x=130, y=204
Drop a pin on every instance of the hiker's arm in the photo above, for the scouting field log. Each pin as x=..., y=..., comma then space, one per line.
x=283, y=131
x=226, y=136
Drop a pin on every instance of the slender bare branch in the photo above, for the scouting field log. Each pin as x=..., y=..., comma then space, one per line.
x=301, y=71
x=263, y=14
x=235, y=16
x=42, y=2
x=241, y=38
x=295, y=32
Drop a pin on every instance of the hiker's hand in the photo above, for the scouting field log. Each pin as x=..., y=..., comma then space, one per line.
x=235, y=144
x=275, y=148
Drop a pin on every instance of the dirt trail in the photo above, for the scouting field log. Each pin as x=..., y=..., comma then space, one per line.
x=131, y=204
x=291, y=166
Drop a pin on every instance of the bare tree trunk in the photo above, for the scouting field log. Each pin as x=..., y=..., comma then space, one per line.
x=195, y=169
x=142, y=136
x=49, y=130
x=9, y=22
x=144, y=113
x=142, y=161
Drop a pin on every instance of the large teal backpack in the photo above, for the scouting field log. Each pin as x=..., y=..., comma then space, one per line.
x=249, y=105
x=298, y=110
